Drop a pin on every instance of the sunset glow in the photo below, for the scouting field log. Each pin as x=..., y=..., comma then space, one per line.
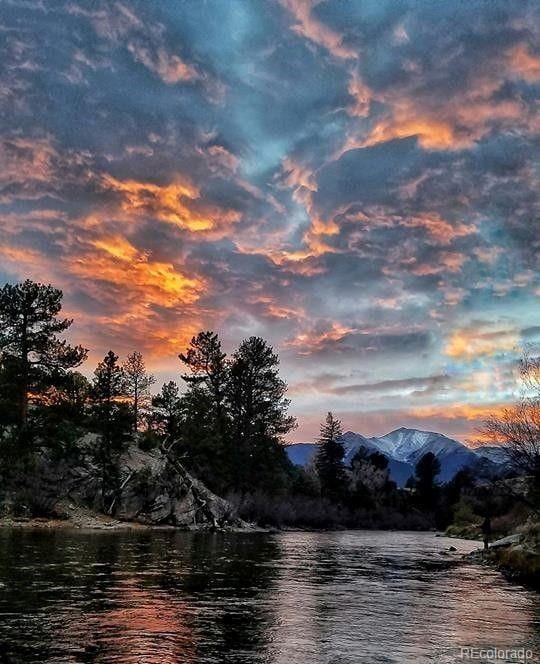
x=355, y=182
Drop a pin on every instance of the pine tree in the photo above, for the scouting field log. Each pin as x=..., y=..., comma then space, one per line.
x=108, y=396
x=259, y=414
x=329, y=460
x=426, y=470
x=29, y=342
x=166, y=411
x=207, y=368
x=137, y=384
x=205, y=421
x=112, y=419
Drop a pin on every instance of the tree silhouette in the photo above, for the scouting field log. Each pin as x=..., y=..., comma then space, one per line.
x=207, y=366
x=29, y=342
x=108, y=396
x=205, y=423
x=329, y=460
x=258, y=410
x=111, y=416
x=166, y=411
x=518, y=427
x=426, y=470
x=137, y=384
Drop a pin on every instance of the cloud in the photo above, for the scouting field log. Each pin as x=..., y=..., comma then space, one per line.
x=170, y=203
x=168, y=66
x=398, y=386
x=141, y=280
x=332, y=338
x=314, y=30
x=523, y=63
x=470, y=343
x=355, y=184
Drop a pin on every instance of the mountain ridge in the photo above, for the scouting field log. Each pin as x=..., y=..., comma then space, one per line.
x=404, y=447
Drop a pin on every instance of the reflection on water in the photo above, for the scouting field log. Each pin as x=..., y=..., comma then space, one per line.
x=290, y=598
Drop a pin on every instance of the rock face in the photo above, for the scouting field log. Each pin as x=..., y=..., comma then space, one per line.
x=153, y=489
x=157, y=489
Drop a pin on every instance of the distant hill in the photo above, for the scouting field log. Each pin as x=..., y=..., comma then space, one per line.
x=405, y=447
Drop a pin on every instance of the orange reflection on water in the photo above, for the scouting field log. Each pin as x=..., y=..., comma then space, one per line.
x=147, y=625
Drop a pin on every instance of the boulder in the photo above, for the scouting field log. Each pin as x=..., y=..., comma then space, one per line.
x=506, y=541
x=154, y=488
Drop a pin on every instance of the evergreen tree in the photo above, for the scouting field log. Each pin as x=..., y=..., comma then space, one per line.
x=207, y=367
x=205, y=423
x=200, y=444
x=30, y=348
x=426, y=470
x=111, y=414
x=60, y=418
x=137, y=385
x=112, y=418
x=329, y=460
x=166, y=411
x=260, y=420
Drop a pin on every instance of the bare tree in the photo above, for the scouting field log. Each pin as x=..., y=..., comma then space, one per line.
x=518, y=427
x=138, y=382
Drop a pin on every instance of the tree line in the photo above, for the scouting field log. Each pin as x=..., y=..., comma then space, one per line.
x=227, y=423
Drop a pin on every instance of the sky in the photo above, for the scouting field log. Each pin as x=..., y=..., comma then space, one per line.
x=356, y=181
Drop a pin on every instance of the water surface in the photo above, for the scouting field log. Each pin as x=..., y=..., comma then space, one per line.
x=290, y=598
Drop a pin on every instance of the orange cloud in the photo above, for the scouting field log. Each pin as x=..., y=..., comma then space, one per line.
x=469, y=412
x=524, y=64
x=170, y=203
x=453, y=295
x=362, y=96
x=469, y=343
x=455, y=124
x=488, y=255
x=310, y=341
x=120, y=264
x=28, y=168
x=144, y=303
x=432, y=134
x=441, y=230
x=169, y=67
x=274, y=309
x=312, y=29
x=445, y=261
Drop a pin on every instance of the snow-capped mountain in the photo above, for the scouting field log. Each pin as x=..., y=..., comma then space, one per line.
x=402, y=443
x=494, y=453
x=405, y=447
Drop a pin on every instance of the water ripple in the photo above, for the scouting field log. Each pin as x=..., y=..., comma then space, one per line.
x=290, y=598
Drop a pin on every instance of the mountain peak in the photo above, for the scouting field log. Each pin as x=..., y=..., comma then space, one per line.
x=404, y=447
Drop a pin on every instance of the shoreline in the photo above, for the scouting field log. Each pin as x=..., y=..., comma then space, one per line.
x=516, y=557
x=104, y=523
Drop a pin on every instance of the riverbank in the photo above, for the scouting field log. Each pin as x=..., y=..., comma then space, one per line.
x=74, y=517
x=516, y=556
x=79, y=517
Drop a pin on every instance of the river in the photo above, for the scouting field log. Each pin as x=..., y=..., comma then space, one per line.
x=288, y=598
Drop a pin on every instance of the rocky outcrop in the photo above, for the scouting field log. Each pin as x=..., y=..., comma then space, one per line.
x=516, y=556
x=156, y=489
x=152, y=488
